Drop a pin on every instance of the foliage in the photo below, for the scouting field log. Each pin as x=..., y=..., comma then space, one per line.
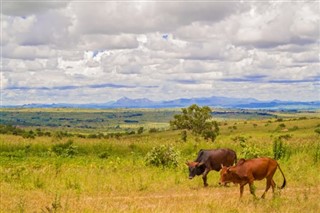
x=65, y=149
x=140, y=130
x=278, y=149
x=280, y=127
x=248, y=151
x=104, y=155
x=184, y=135
x=13, y=130
x=162, y=156
x=197, y=120
x=153, y=130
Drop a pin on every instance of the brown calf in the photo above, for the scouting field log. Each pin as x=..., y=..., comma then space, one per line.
x=247, y=171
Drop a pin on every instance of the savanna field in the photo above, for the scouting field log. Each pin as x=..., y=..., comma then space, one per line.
x=65, y=160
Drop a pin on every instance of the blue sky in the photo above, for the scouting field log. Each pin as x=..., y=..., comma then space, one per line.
x=99, y=51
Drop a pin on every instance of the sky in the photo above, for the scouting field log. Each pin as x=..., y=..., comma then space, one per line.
x=101, y=51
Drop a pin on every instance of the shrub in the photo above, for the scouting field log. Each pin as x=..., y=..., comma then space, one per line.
x=65, y=149
x=140, y=130
x=153, y=130
x=209, y=134
x=248, y=151
x=29, y=134
x=163, y=156
x=103, y=155
x=184, y=136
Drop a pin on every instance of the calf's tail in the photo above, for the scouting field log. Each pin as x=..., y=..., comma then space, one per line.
x=284, y=178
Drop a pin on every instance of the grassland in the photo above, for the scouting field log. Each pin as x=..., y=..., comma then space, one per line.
x=111, y=175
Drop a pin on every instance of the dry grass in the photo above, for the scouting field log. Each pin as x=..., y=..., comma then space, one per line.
x=212, y=199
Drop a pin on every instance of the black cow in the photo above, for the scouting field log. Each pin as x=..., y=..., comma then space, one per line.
x=211, y=159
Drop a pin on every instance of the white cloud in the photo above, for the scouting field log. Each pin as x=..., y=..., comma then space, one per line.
x=100, y=51
x=25, y=8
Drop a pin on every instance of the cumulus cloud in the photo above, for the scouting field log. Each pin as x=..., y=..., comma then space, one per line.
x=73, y=51
x=26, y=8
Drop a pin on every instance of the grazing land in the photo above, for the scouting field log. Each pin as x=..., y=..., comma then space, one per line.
x=71, y=160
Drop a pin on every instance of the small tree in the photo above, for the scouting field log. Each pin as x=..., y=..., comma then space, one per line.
x=197, y=120
x=140, y=130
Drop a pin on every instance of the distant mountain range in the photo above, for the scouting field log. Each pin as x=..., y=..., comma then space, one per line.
x=214, y=101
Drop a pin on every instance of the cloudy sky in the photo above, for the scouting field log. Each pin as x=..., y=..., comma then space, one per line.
x=99, y=51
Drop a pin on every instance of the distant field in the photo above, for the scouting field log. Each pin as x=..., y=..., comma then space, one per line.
x=68, y=173
x=117, y=120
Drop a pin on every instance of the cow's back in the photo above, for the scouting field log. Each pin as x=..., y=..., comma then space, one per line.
x=258, y=167
x=215, y=157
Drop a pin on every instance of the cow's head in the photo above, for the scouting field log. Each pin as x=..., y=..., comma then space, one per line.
x=226, y=175
x=195, y=168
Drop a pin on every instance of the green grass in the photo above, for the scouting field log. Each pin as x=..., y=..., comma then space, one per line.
x=111, y=175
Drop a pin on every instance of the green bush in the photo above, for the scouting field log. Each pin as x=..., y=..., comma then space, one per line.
x=184, y=136
x=248, y=151
x=140, y=130
x=153, y=130
x=163, y=156
x=104, y=155
x=65, y=149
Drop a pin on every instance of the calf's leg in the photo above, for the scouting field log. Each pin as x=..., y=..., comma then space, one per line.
x=269, y=183
x=241, y=188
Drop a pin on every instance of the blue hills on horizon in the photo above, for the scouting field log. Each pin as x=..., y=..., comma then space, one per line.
x=214, y=101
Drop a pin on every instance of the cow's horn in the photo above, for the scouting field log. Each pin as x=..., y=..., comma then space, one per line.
x=201, y=163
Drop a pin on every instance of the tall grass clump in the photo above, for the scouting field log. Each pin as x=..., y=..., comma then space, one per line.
x=316, y=158
x=280, y=150
x=163, y=156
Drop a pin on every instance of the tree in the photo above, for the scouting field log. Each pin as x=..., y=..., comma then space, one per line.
x=140, y=130
x=198, y=120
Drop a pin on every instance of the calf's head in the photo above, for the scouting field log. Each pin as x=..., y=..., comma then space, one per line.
x=225, y=175
x=195, y=168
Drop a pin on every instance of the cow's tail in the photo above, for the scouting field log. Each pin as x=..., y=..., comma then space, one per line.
x=284, y=178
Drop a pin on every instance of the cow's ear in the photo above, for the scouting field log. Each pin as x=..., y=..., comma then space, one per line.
x=228, y=169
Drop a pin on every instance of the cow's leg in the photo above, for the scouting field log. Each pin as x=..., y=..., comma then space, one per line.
x=268, y=184
x=273, y=185
x=204, y=177
x=242, y=188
